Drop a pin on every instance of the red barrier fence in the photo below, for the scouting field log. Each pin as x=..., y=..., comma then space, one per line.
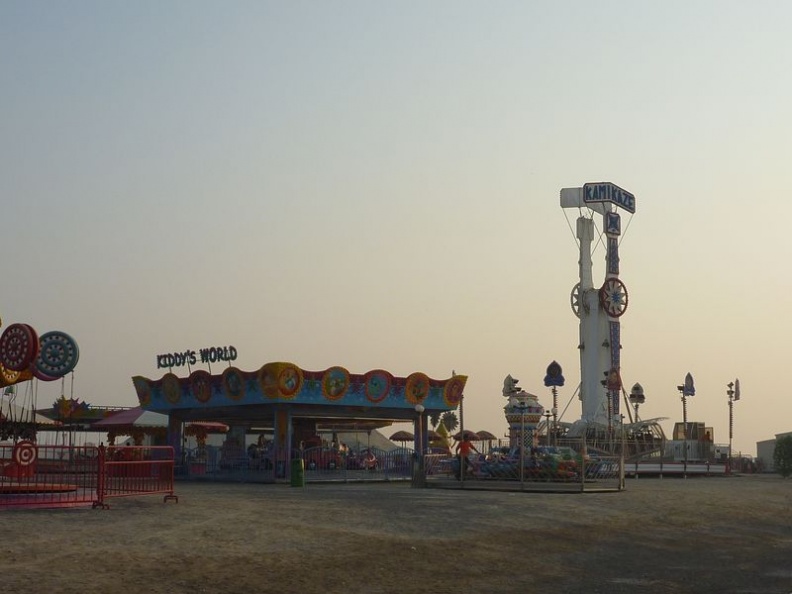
x=65, y=476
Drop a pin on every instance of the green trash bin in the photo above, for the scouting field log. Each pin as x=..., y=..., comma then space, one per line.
x=297, y=473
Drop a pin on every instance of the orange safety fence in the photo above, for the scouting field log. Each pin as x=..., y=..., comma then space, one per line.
x=33, y=475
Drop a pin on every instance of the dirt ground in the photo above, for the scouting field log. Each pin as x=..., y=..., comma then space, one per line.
x=724, y=535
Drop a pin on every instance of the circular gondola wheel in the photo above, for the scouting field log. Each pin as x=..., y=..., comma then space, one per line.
x=613, y=297
x=38, y=374
x=25, y=453
x=58, y=355
x=574, y=299
x=19, y=346
x=577, y=300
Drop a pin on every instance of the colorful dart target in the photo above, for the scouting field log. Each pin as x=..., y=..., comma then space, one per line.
x=58, y=355
x=19, y=346
x=25, y=453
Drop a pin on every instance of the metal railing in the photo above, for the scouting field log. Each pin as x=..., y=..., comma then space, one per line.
x=570, y=465
x=34, y=475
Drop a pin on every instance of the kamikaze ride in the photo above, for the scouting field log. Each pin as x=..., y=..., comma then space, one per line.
x=599, y=307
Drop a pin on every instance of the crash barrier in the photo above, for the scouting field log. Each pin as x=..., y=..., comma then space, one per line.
x=133, y=470
x=66, y=476
x=569, y=465
x=318, y=463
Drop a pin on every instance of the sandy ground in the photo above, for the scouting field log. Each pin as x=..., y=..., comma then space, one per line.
x=724, y=535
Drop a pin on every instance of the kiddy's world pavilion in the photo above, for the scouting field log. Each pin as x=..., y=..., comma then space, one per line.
x=293, y=403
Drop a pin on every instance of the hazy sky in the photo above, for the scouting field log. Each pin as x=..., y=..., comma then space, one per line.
x=373, y=184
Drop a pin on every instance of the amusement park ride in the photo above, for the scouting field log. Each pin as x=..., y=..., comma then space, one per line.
x=24, y=356
x=599, y=307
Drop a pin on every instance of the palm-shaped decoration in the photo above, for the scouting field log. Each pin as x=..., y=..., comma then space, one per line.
x=450, y=421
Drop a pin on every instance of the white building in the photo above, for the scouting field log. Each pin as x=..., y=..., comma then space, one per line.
x=765, y=449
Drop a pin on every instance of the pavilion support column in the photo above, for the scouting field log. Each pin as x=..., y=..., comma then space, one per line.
x=175, y=438
x=283, y=442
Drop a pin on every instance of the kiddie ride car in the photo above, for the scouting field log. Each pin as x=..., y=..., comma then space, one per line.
x=538, y=465
x=322, y=458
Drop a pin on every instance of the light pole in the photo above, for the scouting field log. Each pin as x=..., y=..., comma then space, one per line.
x=554, y=378
x=419, y=408
x=637, y=398
x=686, y=389
x=547, y=416
x=522, y=443
x=734, y=394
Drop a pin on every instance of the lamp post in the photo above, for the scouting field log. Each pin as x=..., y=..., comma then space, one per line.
x=554, y=378
x=547, y=417
x=522, y=442
x=686, y=389
x=734, y=394
x=419, y=408
x=637, y=398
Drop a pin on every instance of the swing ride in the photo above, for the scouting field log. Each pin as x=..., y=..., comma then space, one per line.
x=26, y=356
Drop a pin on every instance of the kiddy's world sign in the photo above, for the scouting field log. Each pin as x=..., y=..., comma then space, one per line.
x=209, y=355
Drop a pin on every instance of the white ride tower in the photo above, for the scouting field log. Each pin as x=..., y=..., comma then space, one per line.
x=599, y=307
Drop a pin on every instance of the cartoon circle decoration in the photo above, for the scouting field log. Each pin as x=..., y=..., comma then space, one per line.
x=290, y=380
x=58, y=354
x=19, y=345
x=171, y=388
x=268, y=380
x=201, y=385
x=377, y=385
x=234, y=383
x=335, y=383
x=417, y=388
x=452, y=392
x=25, y=453
x=143, y=389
